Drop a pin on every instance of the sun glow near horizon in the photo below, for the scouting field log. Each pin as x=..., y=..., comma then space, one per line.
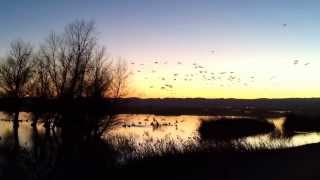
x=225, y=78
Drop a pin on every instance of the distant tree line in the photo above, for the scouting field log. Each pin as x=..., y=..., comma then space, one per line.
x=70, y=65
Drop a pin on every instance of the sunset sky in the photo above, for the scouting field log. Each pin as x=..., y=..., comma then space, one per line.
x=247, y=48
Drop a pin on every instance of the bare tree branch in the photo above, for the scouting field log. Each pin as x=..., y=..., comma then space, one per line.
x=16, y=70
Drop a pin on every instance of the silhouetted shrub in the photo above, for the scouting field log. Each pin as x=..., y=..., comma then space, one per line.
x=299, y=122
x=233, y=128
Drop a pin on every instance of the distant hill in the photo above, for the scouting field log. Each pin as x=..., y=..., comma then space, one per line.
x=183, y=105
x=274, y=104
x=201, y=105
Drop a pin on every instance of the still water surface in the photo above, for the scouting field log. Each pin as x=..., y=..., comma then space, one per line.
x=150, y=129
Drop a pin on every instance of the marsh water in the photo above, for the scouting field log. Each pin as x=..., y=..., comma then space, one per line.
x=152, y=130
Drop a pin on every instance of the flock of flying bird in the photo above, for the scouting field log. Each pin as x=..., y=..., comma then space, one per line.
x=200, y=71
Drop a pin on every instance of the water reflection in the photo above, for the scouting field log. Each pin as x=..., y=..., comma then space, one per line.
x=25, y=130
x=142, y=127
x=153, y=129
x=184, y=128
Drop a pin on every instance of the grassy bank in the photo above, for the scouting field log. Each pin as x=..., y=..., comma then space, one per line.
x=96, y=160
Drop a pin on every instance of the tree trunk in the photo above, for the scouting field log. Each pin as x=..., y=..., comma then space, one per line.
x=15, y=129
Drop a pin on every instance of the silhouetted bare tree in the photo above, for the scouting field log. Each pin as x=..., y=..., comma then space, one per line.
x=16, y=70
x=76, y=64
x=120, y=77
x=99, y=77
x=15, y=73
x=40, y=85
x=70, y=65
x=53, y=54
x=81, y=42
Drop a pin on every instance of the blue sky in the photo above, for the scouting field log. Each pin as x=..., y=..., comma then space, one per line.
x=181, y=19
x=248, y=37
